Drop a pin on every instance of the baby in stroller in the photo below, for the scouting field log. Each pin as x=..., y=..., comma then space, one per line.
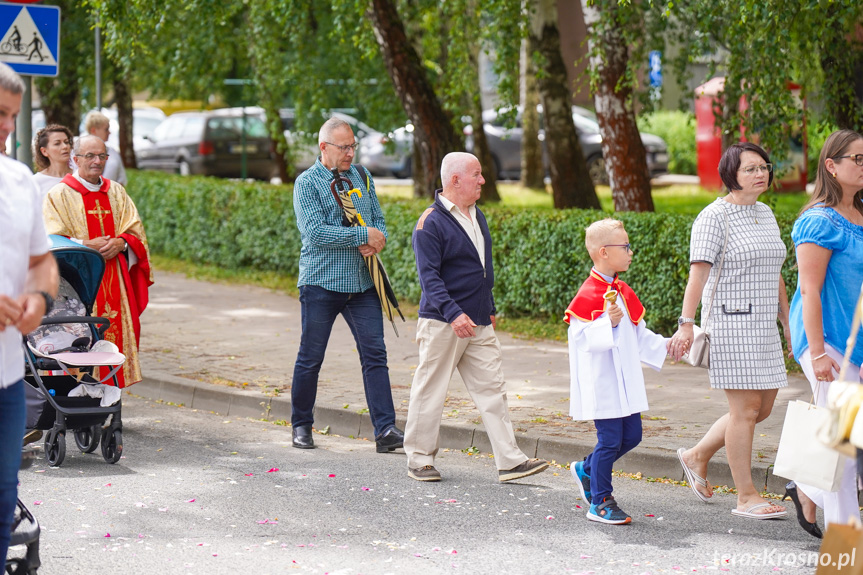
x=70, y=369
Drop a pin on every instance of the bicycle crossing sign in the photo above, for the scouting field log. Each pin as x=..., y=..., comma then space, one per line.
x=30, y=38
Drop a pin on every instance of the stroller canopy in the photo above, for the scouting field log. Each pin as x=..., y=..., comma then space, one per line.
x=81, y=266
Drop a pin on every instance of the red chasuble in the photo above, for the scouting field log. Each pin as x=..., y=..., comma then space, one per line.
x=589, y=303
x=100, y=222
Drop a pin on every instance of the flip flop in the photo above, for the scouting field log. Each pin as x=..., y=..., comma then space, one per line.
x=749, y=513
x=693, y=478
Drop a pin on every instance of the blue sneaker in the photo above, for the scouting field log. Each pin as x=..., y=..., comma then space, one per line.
x=582, y=479
x=608, y=512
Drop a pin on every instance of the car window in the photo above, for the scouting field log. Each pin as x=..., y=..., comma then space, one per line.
x=231, y=128
x=193, y=126
x=145, y=126
x=585, y=124
x=169, y=129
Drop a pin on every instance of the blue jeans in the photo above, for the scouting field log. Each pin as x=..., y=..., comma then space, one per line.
x=12, y=419
x=614, y=438
x=362, y=312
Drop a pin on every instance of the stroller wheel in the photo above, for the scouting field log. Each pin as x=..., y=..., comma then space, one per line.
x=55, y=448
x=112, y=446
x=87, y=439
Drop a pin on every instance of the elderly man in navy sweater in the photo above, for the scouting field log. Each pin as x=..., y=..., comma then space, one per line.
x=456, y=325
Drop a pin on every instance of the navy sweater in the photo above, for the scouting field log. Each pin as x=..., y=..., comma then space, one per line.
x=451, y=274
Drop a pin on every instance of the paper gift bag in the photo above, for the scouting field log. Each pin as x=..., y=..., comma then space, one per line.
x=839, y=550
x=801, y=455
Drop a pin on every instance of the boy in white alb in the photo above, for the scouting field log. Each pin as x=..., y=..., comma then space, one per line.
x=608, y=341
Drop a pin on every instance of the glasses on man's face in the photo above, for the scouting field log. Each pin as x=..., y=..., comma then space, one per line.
x=626, y=247
x=344, y=149
x=858, y=158
x=764, y=168
x=90, y=157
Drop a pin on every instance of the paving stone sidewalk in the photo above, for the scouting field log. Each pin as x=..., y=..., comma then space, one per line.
x=231, y=349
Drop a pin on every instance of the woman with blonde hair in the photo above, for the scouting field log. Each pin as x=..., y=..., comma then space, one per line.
x=52, y=149
x=828, y=237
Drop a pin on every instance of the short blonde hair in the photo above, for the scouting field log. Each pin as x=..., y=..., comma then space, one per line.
x=95, y=119
x=598, y=234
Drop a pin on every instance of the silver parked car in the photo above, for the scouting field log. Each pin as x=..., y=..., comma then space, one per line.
x=391, y=154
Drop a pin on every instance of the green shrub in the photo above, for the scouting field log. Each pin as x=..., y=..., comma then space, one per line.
x=678, y=130
x=539, y=255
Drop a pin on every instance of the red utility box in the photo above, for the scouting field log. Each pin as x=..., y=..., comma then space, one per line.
x=791, y=172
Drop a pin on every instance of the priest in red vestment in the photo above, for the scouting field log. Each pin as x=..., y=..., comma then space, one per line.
x=99, y=213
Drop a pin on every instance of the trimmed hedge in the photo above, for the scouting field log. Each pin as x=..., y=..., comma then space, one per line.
x=539, y=255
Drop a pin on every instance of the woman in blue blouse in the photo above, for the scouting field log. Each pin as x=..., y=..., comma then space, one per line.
x=828, y=236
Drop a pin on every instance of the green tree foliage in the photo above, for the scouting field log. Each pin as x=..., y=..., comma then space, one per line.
x=762, y=45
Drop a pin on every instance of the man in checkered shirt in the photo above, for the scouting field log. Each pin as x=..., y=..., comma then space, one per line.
x=334, y=280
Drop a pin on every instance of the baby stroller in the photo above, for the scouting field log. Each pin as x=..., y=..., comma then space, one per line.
x=64, y=359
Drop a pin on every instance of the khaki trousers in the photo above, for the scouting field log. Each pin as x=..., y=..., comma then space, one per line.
x=478, y=360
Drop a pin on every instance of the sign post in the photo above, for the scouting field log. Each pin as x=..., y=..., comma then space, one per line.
x=30, y=45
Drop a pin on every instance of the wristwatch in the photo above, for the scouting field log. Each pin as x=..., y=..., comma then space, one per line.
x=49, y=301
x=682, y=320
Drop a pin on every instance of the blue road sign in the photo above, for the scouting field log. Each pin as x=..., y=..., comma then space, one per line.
x=655, y=69
x=30, y=38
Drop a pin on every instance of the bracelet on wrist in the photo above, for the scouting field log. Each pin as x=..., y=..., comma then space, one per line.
x=820, y=356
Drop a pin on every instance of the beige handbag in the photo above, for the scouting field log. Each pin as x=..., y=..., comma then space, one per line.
x=699, y=352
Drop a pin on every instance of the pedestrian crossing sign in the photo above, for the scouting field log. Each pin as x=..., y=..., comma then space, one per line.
x=30, y=38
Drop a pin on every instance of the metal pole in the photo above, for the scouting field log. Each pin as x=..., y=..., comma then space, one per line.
x=98, y=32
x=24, y=125
x=243, y=171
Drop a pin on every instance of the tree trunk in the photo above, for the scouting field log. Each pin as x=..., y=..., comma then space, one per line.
x=571, y=185
x=480, y=142
x=433, y=133
x=532, y=169
x=622, y=149
x=125, y=119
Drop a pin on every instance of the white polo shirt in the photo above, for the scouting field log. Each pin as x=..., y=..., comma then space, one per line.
x=469, y=223
x=22, y=235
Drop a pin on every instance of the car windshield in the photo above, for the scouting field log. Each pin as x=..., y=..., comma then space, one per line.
x=145, y=126
x=585, y=124
x=230, y=128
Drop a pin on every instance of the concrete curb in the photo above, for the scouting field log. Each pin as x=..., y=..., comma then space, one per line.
x=233, y=402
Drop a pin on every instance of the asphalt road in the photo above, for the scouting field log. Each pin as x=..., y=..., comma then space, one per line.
x=200, y=493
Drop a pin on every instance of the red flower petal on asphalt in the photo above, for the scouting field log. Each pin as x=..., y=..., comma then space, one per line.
x=249, y=474
x=274, y=469
x=331, y=475
x=190, y=501
x=107, y=534
x=649, y=515
x=366, y=489
x=37, y=503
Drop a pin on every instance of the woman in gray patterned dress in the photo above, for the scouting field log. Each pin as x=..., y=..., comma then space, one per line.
x=746, y=359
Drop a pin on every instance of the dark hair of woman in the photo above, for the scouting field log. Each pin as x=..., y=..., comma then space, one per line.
x=730, y=164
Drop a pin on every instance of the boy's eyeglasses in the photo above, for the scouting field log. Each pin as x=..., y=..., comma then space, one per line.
x=858, y=158
x=627, y=247
x=749, y=170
